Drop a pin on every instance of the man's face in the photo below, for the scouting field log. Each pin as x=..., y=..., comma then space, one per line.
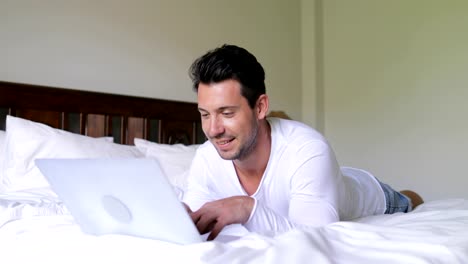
x=227, y=119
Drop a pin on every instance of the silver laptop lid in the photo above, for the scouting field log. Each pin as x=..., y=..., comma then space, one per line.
x=120, y=196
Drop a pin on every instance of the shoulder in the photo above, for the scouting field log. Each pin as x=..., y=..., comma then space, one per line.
x=296, y=143
x=206, y=153
x=287, y=127
x=205, y=161
x=295, y=133
x=206, y=147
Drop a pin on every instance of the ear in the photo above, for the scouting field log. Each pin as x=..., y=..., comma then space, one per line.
x=261, y=107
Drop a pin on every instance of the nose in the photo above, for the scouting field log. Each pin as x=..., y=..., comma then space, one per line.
x=213, y=127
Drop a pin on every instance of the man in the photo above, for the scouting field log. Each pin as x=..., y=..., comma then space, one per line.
x=267, y=174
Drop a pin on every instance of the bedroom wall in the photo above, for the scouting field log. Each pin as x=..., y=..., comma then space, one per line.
x=384, y=80
x=396, y=84
x=145, y=47
x=311, y=63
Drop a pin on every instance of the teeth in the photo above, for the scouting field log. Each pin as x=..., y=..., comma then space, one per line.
x=224, y=142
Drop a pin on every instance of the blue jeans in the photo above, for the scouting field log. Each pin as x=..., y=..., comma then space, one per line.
x=396, y=202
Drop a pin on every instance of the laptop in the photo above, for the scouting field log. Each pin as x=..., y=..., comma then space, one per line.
x=120, y=196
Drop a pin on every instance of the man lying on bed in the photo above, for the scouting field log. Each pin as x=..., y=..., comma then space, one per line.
x=269, y=174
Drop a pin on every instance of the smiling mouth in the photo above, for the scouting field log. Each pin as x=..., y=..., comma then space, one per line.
x=224, y=142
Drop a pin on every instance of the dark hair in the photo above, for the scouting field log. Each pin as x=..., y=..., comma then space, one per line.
x=230, y=62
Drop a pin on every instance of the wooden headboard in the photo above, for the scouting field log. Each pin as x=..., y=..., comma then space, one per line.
x=100, y=114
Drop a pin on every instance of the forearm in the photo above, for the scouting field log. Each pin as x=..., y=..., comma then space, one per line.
x=264, y=220
x=302, y=215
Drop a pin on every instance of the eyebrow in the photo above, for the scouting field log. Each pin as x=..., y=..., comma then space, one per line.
x=220, y=109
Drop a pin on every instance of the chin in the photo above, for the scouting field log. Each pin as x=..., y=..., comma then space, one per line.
x=227, y=155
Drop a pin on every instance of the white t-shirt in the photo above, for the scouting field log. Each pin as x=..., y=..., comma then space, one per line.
x=302, y=186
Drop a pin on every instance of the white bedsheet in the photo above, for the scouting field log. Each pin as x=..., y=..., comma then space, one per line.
x=35, y=228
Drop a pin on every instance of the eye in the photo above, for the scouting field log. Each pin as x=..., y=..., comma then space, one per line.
x=204, y=115
x=228, y=114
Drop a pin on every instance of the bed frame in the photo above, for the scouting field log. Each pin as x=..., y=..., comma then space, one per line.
x=100, y=114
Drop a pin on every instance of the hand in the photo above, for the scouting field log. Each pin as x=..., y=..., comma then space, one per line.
x=214, y=216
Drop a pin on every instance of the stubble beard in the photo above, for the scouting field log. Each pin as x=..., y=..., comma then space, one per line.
x=246, y=148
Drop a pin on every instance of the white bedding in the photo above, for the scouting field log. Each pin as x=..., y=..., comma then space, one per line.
x=35, y=228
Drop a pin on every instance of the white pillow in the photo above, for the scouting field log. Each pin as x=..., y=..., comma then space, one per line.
x=2, y=155
x=175, y=160
x=2, y=139
x=27, y=141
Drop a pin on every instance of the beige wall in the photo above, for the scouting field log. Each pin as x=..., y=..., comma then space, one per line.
x=311, y=63
x=145, y=47
x=384, y=80
x=396, y=86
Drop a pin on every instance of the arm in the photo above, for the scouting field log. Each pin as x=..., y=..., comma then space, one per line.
x=198, y=189
x=212, y=207
x=313, y=187
x=214, y=216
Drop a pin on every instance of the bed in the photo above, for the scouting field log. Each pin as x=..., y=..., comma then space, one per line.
x=35, y=227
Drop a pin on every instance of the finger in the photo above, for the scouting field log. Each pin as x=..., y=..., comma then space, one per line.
x=215, y=231
x=187, y=208
x=210, y=227
x=205, y=224
x=195, y=216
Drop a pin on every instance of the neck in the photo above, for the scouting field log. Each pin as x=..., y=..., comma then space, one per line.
x=254, y=165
